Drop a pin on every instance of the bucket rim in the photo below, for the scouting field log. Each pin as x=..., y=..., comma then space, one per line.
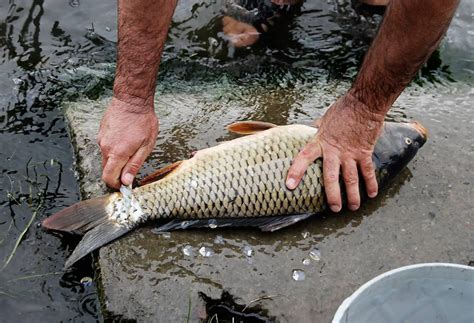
x=348, y=301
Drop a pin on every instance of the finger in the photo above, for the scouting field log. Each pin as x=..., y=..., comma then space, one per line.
x=331, y=166
x=240, y=40
x=104, y=152
x=368, y=172
x=104, y=160
x=305, y=157
x=112, y=170
x=133, y=165
x=236, y=40
x=228, y=29
x=227, y=20
x=351, y=180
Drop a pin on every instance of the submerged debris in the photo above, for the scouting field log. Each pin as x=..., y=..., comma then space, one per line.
x=306, y=261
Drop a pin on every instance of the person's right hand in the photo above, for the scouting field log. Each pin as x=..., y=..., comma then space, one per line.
x=240, y=34
x=127, y=136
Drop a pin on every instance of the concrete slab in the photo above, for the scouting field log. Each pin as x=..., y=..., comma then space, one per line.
x=425, y=216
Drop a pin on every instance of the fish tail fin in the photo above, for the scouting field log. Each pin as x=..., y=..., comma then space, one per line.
x=91, y=218
x=80, y=217
x=96, y=238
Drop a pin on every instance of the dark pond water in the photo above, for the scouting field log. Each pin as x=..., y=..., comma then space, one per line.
x=51, y=51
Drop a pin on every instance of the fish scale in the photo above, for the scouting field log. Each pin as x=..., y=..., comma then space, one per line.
x=241, y=178
x=237, y=183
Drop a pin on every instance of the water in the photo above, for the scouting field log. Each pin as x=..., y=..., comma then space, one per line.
x=188, y=251
x=206, y=252
x=39, y=42
x=298, y=275
x=52, y=50
x=315, y=254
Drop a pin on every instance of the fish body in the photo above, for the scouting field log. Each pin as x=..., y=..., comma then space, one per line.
x=240, y=178
x=240, y=182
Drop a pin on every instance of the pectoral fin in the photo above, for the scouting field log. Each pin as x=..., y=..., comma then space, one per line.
x=249, y=127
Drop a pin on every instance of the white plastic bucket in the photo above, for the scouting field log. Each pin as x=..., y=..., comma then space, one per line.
x=432, y=292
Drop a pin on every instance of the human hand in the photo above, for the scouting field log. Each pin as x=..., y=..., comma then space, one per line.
x=240, y=33
x=345, y=139
x=127, y=136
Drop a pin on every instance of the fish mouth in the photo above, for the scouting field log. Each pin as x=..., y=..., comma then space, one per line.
x=420, y=129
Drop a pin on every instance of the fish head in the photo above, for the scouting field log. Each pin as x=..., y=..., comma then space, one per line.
x=397, y=145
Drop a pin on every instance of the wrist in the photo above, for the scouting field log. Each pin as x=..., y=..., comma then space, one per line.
x=123, y=94
x=365, y=107
x=132, y=105
x=137, y=90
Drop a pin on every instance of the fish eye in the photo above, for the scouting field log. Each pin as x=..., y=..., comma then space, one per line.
x=408, y=141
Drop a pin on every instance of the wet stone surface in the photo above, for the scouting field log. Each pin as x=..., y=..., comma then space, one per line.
x=424, y=216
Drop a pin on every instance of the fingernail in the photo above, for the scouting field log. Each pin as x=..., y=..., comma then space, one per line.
x=353, y=207
x=335, y=207
x=372, y=194
x=128, y=179
x=291, y=183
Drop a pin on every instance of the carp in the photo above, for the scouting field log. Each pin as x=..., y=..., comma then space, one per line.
x=236, y=183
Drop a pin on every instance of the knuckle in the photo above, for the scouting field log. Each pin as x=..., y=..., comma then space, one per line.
x=351, y=178
x=369, y=175
x=367, y=167
x=331, y=177
x=295, y=173
x=306, y=153
x=105, y=148
x=133, y=167
x=107, y=178
x=330, y=159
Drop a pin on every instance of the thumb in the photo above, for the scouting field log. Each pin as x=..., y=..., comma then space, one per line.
x=133, y=165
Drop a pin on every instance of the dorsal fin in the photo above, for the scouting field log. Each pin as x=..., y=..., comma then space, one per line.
x=160, y=173
x=249, y=127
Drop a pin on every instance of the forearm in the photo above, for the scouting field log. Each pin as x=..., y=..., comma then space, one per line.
x=410, y=32
x=142, y=30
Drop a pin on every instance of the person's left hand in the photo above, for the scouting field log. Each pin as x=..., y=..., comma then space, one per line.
x=345, y=139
